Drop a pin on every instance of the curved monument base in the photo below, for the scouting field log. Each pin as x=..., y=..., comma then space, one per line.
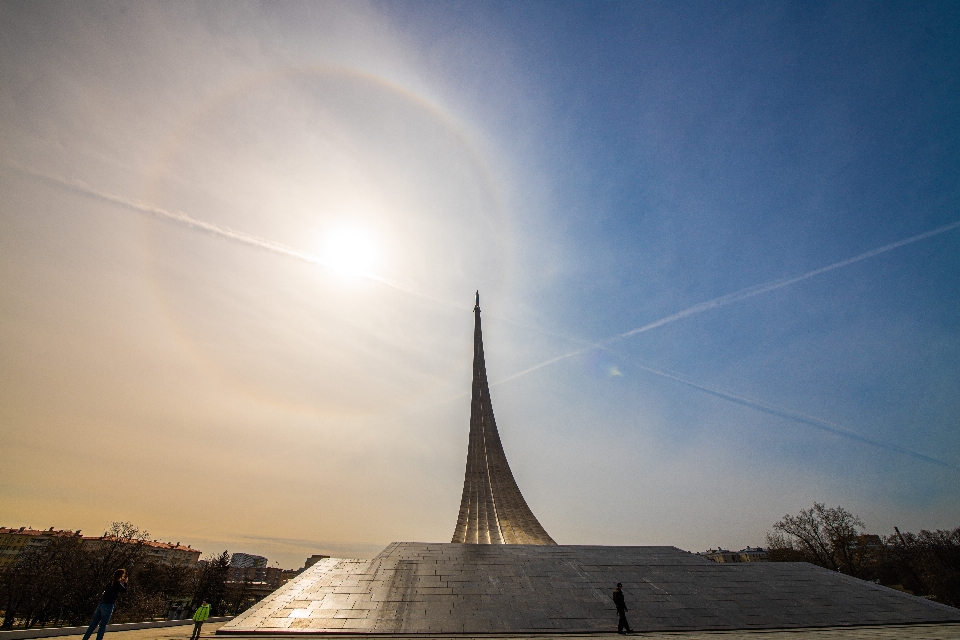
x=423, y=588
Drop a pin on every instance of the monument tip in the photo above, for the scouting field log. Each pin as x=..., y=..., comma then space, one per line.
x=477, y=306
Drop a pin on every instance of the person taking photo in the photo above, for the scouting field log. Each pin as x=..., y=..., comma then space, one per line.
x=109, y=599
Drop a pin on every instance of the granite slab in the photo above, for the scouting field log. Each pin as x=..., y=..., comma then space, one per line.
x=428, y=588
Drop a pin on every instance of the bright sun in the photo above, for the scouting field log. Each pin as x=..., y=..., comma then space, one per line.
x=350, y=252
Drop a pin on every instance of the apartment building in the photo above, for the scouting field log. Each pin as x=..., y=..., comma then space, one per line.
x=171, y=553
x=750, y=554
x=13, y=542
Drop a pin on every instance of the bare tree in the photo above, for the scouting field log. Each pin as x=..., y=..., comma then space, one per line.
x=825, y=536
x=120, y=547
x=926, y=563
x=36, y=587
x=238, y=595
x=62, y=580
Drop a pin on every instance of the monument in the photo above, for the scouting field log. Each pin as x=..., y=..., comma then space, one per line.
x=492, y=509
x=504, y=574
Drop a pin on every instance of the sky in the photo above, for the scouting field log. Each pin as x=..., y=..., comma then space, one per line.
x=717, y=247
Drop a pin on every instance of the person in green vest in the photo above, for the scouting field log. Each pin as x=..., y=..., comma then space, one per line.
x=203, y=612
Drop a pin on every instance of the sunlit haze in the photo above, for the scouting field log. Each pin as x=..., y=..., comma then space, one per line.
x=717, y=249
x=351, y=252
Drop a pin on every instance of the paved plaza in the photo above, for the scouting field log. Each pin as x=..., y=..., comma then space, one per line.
x=895, y=632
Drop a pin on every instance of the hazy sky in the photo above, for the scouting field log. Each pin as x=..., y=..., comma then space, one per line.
x=239, y=244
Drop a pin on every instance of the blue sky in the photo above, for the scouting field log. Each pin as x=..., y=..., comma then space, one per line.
x=592, y=168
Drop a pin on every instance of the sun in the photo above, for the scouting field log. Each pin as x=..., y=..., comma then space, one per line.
x=351, y=252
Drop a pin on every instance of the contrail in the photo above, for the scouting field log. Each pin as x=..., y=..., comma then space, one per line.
x=78, y=186
x=542, y=364
x=796, y=416
x=748, y=292
x=773, y=285
x=780, y=412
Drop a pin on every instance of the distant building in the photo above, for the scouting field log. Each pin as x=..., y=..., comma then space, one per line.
x=169, y=553
x=867, y=541
x=13, y=542
x=245, y=560
x=259, y=582
x=755, y=554
x=312, y=560
x=720, y=555
x=750, y=554
x=271, y=576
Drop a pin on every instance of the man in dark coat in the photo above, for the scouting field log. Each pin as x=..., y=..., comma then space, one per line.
x=622, y=625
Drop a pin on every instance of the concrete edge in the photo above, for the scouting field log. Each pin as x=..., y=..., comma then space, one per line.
x=292, y=633
x=51, y=632
x=902, y=594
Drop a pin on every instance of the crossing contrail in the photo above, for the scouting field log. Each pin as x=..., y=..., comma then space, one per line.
x=182, y=218
x=743, y=294
x=179, y=217
x=796, y=416
x=780, y=412
x=773, y=285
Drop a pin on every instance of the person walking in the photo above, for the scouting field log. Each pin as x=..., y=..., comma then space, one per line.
x=203, y=612
x=105, y=609
x=623, y=626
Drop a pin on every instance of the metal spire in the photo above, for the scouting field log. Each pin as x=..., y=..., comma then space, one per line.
x=492, y=509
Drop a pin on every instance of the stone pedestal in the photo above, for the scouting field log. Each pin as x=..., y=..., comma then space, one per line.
x=421, y=588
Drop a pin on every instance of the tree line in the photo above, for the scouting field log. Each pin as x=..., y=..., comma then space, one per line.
x=61, y=582
x=926, y=564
